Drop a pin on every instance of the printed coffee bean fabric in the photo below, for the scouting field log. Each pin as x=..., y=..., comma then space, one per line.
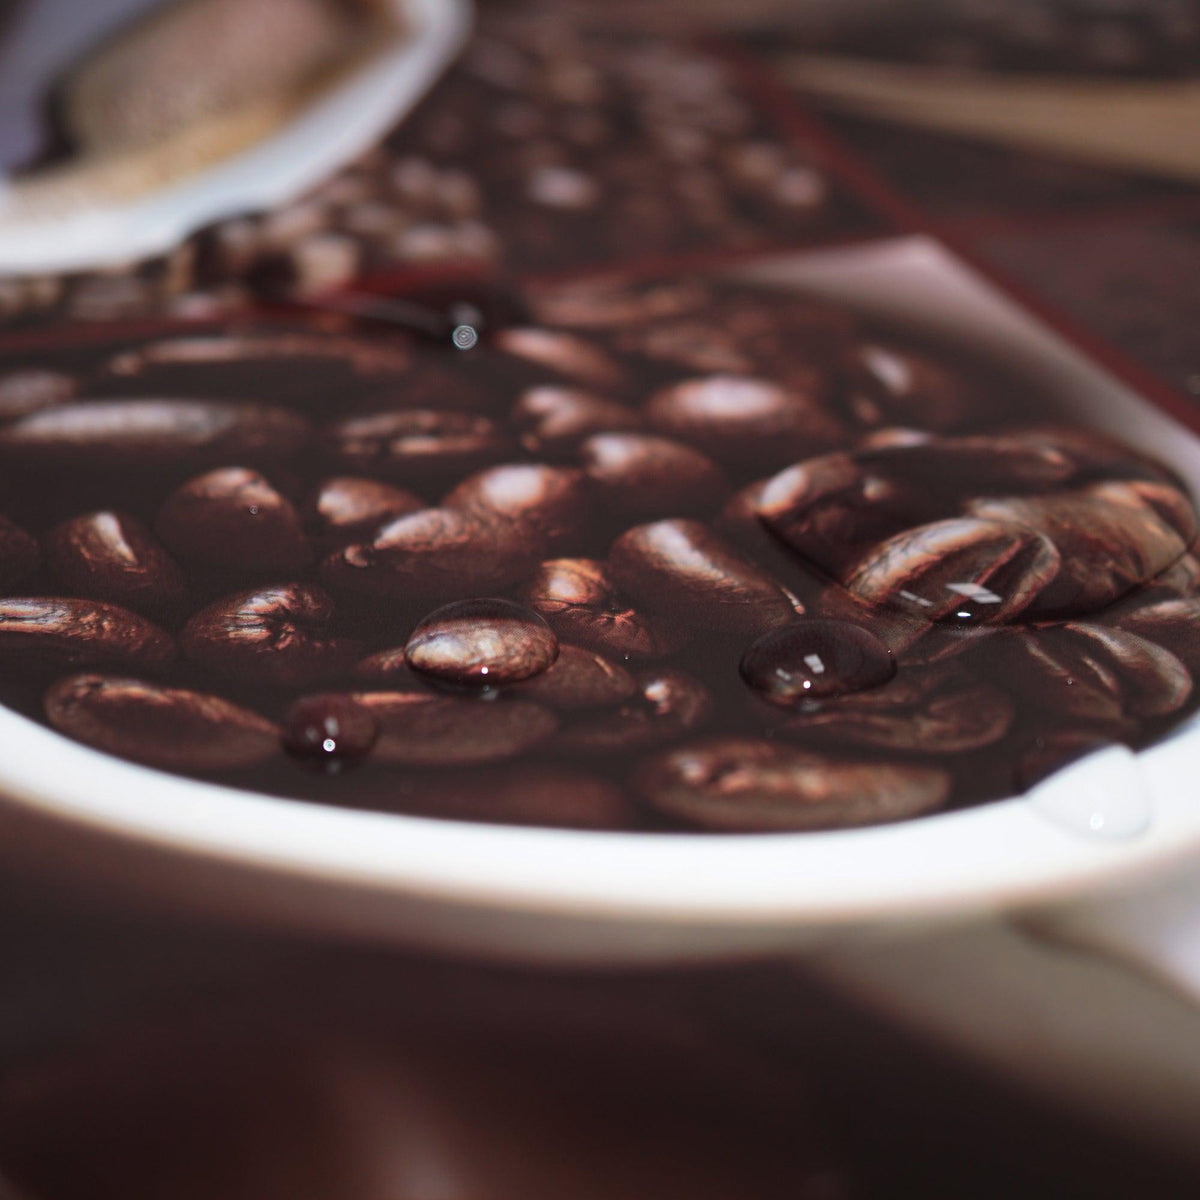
x=677, y=555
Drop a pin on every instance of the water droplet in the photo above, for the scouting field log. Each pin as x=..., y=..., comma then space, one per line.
x=1103, y=795
x=814, y=658
x=329, y=732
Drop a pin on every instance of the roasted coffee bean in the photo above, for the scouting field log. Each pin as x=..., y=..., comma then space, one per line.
x=419, y=448
x=19, y=554
x=549, y=507
x=329, y=732
x=1093, y=454
x=434, y=555
x=668, y=703
x=419, y=729
x=592, y=306
x=563, y=354
x=933, y=711
x=149, y=436
x=481, y=643
x=509, y=794
x=50, y=633
x=389, y=666
x=898, y=630
x=641, y=478
x=961, y=570
x=832, y=509
x=347, y=509
x=1089, y=672
x=555, y=420
x=1173, y=623
x=302, y=368
x=278, y=636
x=951, y=468
x=813, y=658
x=748, y=785
x=745, y=423
x=232, y=519
x=682, y=570
x=1111, y=538
x=889, y=385
x=580, y=678
x=113, y=556
x=580, y=602
x=31, y=390
x=175, y=729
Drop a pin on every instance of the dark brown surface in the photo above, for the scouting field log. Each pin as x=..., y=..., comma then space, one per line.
x=222, y=1066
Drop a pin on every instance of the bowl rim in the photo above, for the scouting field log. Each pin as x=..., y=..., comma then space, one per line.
x=1001, y=854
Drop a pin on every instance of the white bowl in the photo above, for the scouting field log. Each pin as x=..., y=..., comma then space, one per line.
x=622, y=896
x=345, y=120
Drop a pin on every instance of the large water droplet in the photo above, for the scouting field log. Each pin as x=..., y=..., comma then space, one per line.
x=816, y=658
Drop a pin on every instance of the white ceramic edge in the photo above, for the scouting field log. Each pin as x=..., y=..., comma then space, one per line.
x=346, y=121
x=1001, y=854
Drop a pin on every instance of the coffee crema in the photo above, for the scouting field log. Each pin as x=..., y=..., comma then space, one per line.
x=578, y=575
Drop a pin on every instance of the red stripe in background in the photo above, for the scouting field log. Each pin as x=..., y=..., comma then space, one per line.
x=796, y=120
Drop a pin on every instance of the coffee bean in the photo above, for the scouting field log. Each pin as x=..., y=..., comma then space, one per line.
x=832, y=509
x=278, y=636
x=580, y=678
x=299, y=368
x=233, y=519
x=748, y=785
x=1173, y=624
x=556, y=420
x=148, y=436
x=347, y=509
x=812, y=659
x=28, y=391
x=113, y=556
x=1111, y=537
x=481, y=643
x=50, y=633
x=745, y=423
x=1093, y=454
x=580, y=603
x=19, y=554
x=389, y=666
x=419, y=448
x=508, y=794
x=889, y=385
x=642, y=478
x=1088, y=671
x=667, y=704
x=961, y=570
x=329, y=732
x=682, y=570
x=601, y=306
x=934, y=711
x=563, y=354
x=550, y=507
x=434, y=555
x=175, y=729
x=947, y=469
x=420, y=729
